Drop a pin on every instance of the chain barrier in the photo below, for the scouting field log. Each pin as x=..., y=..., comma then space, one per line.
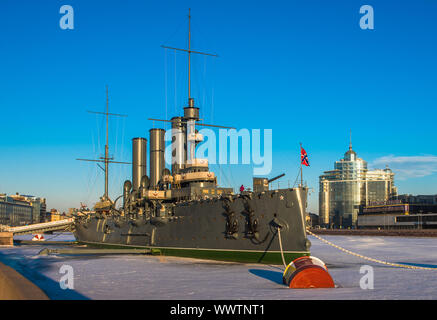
x=368, y=258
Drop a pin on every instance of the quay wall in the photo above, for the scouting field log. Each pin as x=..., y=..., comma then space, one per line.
x=13, y=286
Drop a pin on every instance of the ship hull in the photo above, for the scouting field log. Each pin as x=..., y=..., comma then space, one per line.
x=215, y=229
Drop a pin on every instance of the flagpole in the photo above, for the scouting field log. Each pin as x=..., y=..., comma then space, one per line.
x=301, y=175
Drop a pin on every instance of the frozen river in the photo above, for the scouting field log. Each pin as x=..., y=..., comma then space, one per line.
x=167, y=278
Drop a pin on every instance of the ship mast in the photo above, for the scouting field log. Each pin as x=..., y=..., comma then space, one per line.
x=106, y=145
x=106, y=159
x=191, y=113
x=189, y=51
x=189, y=55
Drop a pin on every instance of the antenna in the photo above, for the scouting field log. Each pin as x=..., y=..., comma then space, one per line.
x=189, y=51
x=106, y=159
x=189, y=54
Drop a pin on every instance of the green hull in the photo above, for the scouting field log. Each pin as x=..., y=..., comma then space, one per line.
x=245, y=256
x=235, y=256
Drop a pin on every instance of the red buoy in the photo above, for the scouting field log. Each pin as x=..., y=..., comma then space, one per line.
x=307, y=272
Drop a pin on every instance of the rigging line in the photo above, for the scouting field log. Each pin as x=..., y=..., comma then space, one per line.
x=165, y=84
x=200, y=83
x=116, y=136
x=96, y=171
x=98, y=135
x=177, y=30
x=122, y=144
x=206, y=45
x=223, y=174
x=204, y=81
x=280, y=246
x=101, y=127
x=297, y=178
x=195, y=80
x=120, y=169
x=91, y=168
x=115, y=174
x=96, y=178
x=175, y=84
x=91, y=186
x=229, y=178
x=203, y=43
x=122, y=173
x=212, y=90
x=232, y=177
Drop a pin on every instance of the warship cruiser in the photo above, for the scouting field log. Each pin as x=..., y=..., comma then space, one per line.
x=183, y=212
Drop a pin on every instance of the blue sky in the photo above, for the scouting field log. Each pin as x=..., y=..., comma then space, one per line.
x=304, y=69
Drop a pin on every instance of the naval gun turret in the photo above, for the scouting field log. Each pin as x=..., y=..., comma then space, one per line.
x=262, y=184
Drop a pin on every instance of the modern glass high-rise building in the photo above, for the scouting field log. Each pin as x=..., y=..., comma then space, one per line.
x=350, y=185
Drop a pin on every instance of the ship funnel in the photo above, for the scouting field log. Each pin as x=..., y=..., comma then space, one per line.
x=157, y=148
x=139, y=161
x=178, y=153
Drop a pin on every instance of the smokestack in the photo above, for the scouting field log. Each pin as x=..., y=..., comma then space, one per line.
x=178, y=154
x=157, y=148
x=139, y=161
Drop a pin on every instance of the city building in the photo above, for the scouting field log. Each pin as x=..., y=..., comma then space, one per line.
x=400, y=212
x=419, y=199
x=311, y=220
x=350, y=185
x=38, y=205
x=55, y=215
x=17, y=210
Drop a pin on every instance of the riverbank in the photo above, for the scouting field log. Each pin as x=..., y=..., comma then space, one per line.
x=374, y=232
x=13, y=286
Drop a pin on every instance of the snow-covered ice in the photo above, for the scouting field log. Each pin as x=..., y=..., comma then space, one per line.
x=156, y=277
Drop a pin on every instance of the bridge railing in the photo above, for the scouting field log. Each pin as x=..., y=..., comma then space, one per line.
x=41, y=226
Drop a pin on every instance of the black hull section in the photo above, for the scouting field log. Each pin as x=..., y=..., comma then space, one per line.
x=242, y=226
